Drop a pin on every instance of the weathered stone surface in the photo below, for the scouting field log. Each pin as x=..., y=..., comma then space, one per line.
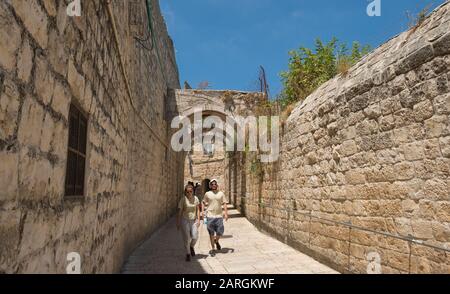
x=10, y=237
x=35, y=175
x=348, y=148
x=10, y=38
x=442, y=45
x=126, y=152
x=57, y=52
x=47, y=133
x=422, y=229
x=416, y=58
x=389, y=173
x=373, y=111
x=31, y=123
x=25, y=61
x=50, y=6
x=390, y=105
x=34, y=19
x=359, y=103
x=445, y=146
x=387, y=123
x=367, y=127
x=441, y=232
x=9, y=109
x=62, y=18
x=355, y=177
x=432, y=149
x=442, y=211
x=442, y=104
x=44, y=81
x=423, y=111
x=9, y=171
x=413, y=151
x=437, y=126
x=61, y=100
x=76, y=81
x=435, y=189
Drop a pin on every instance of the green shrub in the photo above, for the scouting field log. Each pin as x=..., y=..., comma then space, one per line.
x=308, y=69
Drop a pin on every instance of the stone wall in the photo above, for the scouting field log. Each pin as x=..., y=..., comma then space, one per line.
x=200, y=167
x=218, y=102
x=370, y=148
x=222, y=104
x=133, y=180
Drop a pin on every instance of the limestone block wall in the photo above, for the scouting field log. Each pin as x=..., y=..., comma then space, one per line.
x=217, y=102
x=236, y=180
x=370, y=148
x=205, y=167
x=47, y=61
x=222, y=104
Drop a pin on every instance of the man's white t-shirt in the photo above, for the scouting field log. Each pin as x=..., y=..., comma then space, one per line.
x=214, y=202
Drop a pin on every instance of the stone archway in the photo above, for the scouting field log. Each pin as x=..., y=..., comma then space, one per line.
x=227, y=102
x=223, y=104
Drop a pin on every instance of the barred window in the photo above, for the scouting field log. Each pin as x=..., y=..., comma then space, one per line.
x=76, y=154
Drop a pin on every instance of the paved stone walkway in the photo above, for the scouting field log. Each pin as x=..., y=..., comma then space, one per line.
x=245, y=250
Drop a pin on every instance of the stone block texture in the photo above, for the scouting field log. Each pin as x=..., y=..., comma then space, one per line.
x=49, y=60
x=222, y=104
x=370, y=148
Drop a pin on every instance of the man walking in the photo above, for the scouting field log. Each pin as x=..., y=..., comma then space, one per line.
x=215, y=200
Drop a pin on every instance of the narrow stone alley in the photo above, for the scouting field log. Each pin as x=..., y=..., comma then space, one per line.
x=245, y=250
x=98, y=140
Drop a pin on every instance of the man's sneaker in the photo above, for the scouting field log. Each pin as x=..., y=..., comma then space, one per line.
x=218, y=246
x=188, y=257
x=212, y=252
x=192, y=251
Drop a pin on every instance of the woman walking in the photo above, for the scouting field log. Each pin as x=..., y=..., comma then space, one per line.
x=188, y=220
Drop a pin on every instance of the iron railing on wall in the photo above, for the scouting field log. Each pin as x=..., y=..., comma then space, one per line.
x=411, y=240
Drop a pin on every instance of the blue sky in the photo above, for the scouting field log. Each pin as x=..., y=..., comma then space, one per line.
x=225, y=41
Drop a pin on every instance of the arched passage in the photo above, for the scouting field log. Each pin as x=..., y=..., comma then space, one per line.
x=201, y=165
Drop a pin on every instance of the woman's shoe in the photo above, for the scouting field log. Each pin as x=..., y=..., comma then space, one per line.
x=188, y=257
x=192, y=251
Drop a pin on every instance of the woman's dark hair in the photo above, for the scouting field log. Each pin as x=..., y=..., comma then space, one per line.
x=188, y=186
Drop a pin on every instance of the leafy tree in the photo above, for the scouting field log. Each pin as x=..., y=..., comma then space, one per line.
x=309, y=69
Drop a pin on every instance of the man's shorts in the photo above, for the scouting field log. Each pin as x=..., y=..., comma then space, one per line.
x=215, y=225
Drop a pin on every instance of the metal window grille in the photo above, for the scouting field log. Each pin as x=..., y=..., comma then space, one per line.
x=76, y=153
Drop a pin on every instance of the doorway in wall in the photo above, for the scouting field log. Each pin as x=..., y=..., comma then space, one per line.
x=205, y=186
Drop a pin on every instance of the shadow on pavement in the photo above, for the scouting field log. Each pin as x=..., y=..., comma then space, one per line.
x=225, y=251
x=236, y=215
x=226, y=237
x=163, y=253
x=200, y=256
